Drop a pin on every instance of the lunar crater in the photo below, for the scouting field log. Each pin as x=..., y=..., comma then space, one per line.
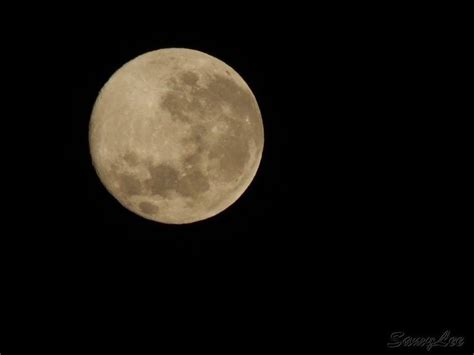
x=148, y=208
x=131, y=158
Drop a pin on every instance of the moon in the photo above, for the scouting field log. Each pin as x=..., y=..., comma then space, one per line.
x=176, y=135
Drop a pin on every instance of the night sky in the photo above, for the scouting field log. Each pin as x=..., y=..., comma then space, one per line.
x=358, y=216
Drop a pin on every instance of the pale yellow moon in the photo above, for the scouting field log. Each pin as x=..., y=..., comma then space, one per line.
x=176, y=135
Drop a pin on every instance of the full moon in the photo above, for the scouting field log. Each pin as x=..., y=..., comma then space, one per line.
x=176, y=135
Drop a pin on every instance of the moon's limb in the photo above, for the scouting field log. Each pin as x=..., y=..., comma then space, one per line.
x=176, y=136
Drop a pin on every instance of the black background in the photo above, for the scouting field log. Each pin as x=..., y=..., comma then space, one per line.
x=356, y=225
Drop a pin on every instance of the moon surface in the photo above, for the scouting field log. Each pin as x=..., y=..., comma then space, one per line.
x=176, y=135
